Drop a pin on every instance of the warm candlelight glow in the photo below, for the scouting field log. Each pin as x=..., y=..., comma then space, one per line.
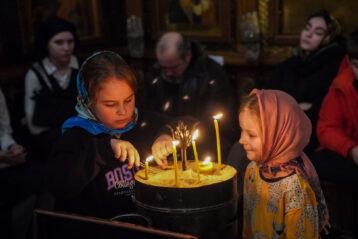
x=175, y=143
x=206, y=161
x=195, y=136
x=206, y=166
x=218, y=145
x=218, y=116
x=147, y=166
x=149, y=158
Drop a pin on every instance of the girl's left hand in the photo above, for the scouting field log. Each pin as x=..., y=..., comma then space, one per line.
x=124, y=149
x=161, y=148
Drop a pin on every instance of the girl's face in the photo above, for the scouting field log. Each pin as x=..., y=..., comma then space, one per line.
x=60, y=47
x=313, y=34
x=251, y=134
x=115, y=102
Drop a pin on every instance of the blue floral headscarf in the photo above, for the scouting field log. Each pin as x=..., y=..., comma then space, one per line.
x=85, y=118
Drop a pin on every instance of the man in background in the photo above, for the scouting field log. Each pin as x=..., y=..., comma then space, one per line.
x=186, y=82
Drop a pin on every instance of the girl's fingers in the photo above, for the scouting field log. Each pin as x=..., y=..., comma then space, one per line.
x=137, y=158
x=163, y=152
x=124, y=153
x=159, y=162
x=165, y=162
x=117, y=152
x=131, y=158
x=160, y=151
x=123, y=150
x=169, y=147
x=156, y=153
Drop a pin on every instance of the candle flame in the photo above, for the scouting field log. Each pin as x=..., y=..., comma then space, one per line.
x=196, y=134
x=207, y=160
x=149, y=158
x=175, y=143
x=218, y=116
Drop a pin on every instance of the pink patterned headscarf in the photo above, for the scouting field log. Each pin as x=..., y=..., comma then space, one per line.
x=286, y=131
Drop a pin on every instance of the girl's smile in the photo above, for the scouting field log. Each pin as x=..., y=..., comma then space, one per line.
x=250, y=134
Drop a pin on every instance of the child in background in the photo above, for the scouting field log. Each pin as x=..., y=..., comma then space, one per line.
x=282, y=194
x=88, y=173
x=337, y=127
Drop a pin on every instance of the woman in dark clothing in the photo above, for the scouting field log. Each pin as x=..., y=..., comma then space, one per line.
x=50, y=85
x=308, y=73
x=91, y=171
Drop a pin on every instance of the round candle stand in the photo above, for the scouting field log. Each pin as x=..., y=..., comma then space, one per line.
x=206, y=209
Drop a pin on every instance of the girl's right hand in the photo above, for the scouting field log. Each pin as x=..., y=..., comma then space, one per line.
x=124, y=149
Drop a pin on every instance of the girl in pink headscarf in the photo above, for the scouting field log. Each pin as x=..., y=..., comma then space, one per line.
x=282, y=194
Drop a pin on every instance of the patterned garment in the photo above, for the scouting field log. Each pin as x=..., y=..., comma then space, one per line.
x=278, y=209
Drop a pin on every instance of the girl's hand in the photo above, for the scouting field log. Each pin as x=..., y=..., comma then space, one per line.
x=123, y=150
x=161, y=148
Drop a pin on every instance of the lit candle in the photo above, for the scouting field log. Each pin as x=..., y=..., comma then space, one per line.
x=216, y=117
x=195, y=136
x=147, y=166
x=175, y=163
x=206, y=166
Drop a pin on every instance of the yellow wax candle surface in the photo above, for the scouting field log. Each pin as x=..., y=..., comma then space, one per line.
x=196, y=159
x=146, y=170
x=216, y=117
x=146, y=164
x=175, y=163
x=206, y=168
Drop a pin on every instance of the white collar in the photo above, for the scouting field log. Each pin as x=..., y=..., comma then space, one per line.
x=51, y=68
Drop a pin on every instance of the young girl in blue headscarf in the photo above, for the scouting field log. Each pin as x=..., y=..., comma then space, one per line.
x=92, y=167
